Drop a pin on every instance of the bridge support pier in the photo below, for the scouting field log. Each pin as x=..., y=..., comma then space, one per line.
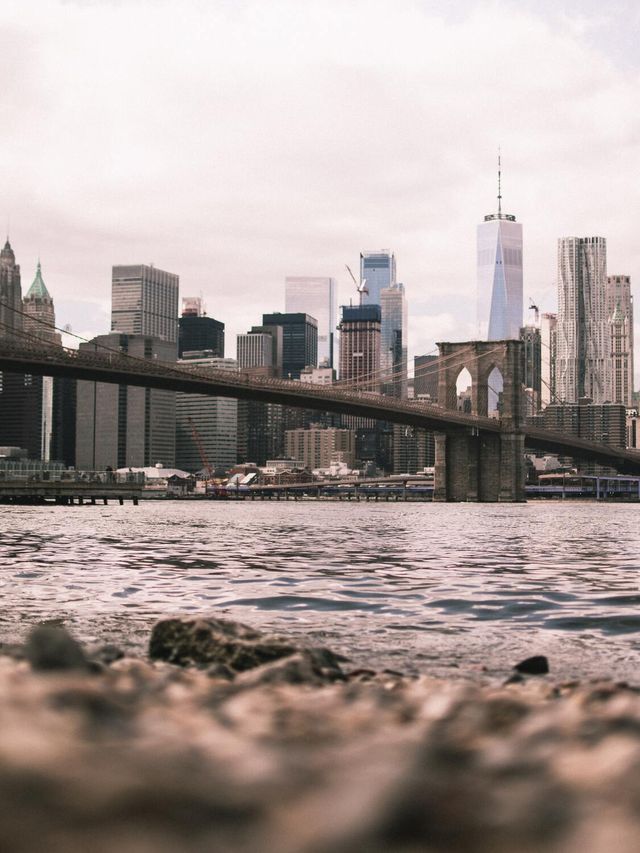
x=488, y=468
x=473, y=464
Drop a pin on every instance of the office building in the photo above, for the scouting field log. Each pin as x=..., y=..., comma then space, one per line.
x=206, y=427
x=604, y=423
x=499, y=296
x=122, y=425
x=633, y=429
x=548, y=358
x=532, y=355
x=39, y=316
x=393, y=341
x=144, y=301
x=360, y=346
x=21, y=394
x=413, y=449
x=39, y=320
x=583, y=361
x=197, y=332
x=620, y=314
x=255, y=349
x=10, y=294
x=260, y=425
x=318, y=447
x=315, y=296
x=299, y=341
x=64, y=410
x=425, y=377
x=318, y=375
x=379, y=270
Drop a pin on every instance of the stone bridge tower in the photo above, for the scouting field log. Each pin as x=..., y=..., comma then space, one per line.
x=471, y=465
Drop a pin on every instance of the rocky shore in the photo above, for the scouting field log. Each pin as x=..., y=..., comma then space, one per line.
x=227, y=739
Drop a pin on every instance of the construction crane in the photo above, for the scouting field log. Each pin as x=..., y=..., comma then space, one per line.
x=533, y=307
x=362, y=287
x=206, y=465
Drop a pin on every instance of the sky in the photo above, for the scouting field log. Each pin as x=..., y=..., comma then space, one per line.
x=236, y=143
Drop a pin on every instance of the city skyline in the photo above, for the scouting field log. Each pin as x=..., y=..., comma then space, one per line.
x=261, y=150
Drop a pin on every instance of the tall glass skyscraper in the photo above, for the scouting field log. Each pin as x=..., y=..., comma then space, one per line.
x=499, y=297
x=393, y=341
x=379, y=269
x=315, y=296
x=583, y=361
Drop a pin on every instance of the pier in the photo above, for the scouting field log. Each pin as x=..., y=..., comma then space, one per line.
x=71, y=488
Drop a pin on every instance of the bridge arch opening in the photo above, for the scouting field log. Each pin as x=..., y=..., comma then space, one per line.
x=464, y=391
x=495, y=388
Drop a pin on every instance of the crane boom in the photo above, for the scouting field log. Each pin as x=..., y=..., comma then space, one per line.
x=203, y=456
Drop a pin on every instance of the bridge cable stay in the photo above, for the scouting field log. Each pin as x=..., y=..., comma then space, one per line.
x=431, y=369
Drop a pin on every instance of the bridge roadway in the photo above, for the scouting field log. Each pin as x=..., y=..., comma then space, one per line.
x=124, y=370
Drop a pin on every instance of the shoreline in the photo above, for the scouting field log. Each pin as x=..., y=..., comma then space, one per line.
x=226, y=737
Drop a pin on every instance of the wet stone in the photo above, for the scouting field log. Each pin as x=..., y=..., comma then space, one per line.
x=536, y=665
x=51, y=648
x=205, y=642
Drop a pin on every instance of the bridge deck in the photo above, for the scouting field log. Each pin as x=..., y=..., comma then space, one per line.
x=123, y=370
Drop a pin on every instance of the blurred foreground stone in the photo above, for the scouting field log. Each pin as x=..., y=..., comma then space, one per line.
x=294, y=755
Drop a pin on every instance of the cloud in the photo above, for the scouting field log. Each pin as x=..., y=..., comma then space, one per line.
x=236, y=144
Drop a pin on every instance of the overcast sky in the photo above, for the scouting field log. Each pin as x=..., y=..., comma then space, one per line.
x=235, y=143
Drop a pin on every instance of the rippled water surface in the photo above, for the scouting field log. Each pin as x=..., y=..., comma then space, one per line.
x=430, y=587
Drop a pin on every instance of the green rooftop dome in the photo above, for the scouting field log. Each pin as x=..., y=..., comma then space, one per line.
x=38, y=289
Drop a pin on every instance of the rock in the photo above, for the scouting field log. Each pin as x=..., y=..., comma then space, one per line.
x=210, y=641
x=51, y=648
x=107, y=654
x=536, y=665
x=304, y=667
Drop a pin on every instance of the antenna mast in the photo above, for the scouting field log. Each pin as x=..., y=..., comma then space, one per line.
x=499, y=184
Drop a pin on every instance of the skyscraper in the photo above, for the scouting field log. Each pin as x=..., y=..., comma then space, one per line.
x=620, y=314
x=499, y=298
x=360, y=346
x=379, y=269
x=214, y=418
x=125, y=426
x=144, y=301
x=315, y=296
x=21, y=394
x=197, y=332
x=393, y=341
x=299, y=341
x=548, y=357
x=260, y=425
x=532, y=355
x=39, y=322
x=10, y=294
x=583, y=364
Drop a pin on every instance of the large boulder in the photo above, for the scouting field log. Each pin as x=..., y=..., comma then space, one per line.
x=209, y=641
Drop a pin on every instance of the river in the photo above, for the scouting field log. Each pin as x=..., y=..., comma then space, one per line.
x=440, y=588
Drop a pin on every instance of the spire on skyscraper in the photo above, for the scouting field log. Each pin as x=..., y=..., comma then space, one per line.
x=499, y=182
x=38, y=289
x=7, y=254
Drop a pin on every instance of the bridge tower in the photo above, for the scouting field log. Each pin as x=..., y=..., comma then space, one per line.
x=471, y=465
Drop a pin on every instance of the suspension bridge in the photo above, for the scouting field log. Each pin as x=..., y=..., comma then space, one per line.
x=477, y=457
